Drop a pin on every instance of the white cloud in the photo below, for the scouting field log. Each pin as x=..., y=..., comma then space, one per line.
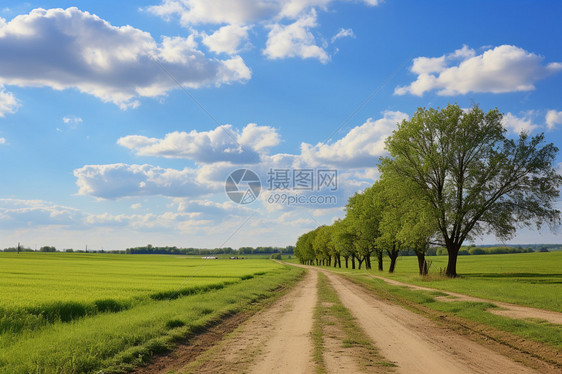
x=221, y=144
x=193, y=12
x=8, y=102
x=72, y=119
x=228, y=39
x=70, y=48
x=295, y=40
x=121, y=180
x=2, y=140
x=553, y=118
x=289, y=21
x=29, y=213
x=360, y=147
x=343, y=33
x=519, y=124
x=505, y=68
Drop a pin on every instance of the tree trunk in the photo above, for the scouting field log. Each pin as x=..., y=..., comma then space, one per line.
x=346, y=262
x=393, y=256
x=379, y=258
x=339, y=262
x=452, y=263
x=368, y=262
x=360, y=262
x=353, y=261
x=422, y=264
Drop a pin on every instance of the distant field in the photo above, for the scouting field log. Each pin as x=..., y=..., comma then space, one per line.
x=120, y=307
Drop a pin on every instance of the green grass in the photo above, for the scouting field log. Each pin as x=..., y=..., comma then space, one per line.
x=41, y=288
x=531, y=279
x=149, y=303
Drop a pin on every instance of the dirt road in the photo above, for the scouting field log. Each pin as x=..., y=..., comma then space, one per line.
x=275, y=340
x=415, y=343
x=278, y=339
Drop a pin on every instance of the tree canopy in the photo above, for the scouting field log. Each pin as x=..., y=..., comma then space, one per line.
x=476, y=179
x=451, y=174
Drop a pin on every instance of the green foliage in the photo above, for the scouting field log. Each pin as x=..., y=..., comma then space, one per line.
x=474, y=176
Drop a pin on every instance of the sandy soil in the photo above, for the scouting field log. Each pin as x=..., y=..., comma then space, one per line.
x=415, y=343
x=507, y=310
x=275, y=340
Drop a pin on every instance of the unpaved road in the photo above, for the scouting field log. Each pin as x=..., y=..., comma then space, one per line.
x=415, y=343
x=274, y=340
x=278, y=339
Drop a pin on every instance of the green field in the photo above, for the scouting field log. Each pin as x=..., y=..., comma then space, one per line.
x=83, y=312
x=532, y=279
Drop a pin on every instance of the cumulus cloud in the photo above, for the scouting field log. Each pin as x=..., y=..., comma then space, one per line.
x=519, y=124
x=2, y=141
x=193, y=12
x=505, y=68
x=70, y=48
x=553, y=118
x=114, y=181
x=295, y=40
x=16, y=213
x=343, y=33
x=360, y=147
x=228, y=39
x=221, y=144
x=289, y=22
x=8, y=102
x=218, y=153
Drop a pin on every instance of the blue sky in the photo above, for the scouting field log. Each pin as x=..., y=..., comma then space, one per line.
x=120, y=121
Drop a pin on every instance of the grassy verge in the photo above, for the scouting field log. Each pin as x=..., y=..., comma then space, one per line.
x=530, y=279
x=538, y=331
x=120, y=341
x=331, y=314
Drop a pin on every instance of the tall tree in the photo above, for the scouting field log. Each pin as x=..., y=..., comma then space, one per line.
x=387, y=202
x=476, y=178
x=364, y=218
x=344, y=238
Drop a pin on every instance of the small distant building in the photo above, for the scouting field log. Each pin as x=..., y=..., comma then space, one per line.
x=209, y=257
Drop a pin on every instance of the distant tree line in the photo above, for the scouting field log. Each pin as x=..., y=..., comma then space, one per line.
x=149, y=249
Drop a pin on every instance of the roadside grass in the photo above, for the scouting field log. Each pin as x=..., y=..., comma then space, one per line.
x=331, y=313
x=117, y=342
x=539, y=331
x=530, y=279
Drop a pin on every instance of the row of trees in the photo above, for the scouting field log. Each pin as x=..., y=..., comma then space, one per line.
x=451, y=175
